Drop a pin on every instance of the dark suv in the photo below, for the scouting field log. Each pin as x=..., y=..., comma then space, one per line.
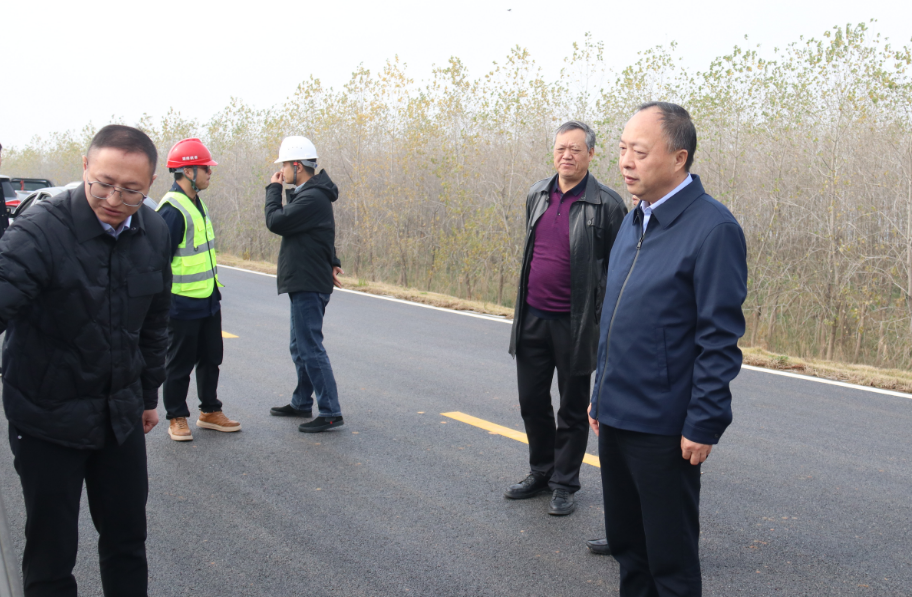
x=30, y=184
x=9, y=191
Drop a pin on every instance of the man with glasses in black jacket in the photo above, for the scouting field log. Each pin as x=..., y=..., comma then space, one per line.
x=85, y=287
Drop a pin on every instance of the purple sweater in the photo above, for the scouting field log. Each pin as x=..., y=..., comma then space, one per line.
x=549, y=273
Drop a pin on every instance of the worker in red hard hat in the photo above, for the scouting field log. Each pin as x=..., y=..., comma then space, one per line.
x=195, y=330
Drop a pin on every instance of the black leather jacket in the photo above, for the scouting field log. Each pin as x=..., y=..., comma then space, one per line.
x=594, y=222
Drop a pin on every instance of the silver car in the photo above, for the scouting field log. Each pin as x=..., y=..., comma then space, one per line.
x=40, y=195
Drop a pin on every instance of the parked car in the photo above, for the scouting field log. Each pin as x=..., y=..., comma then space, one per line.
x=23, y=187
x=8, y=192
x=30, y=184
x=39, y=195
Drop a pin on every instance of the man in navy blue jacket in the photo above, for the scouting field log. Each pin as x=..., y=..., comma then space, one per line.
x=668, y=350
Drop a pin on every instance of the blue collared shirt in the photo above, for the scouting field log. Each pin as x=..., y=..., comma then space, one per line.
x=647, y=209
x=115, y=232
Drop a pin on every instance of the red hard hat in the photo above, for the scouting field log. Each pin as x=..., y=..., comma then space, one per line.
x=190, y=152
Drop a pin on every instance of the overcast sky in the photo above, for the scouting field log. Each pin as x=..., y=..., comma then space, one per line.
x=65, y=64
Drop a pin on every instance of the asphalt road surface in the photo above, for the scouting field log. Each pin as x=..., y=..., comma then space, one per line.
x=808, y=494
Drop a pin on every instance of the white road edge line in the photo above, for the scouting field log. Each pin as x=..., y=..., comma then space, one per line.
x=389, y=298
x=510, y=321
x=829, y=382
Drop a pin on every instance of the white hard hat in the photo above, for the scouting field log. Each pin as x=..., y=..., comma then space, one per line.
x=297, y=149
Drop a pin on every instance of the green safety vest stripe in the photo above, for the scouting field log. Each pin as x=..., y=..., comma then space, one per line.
x=188, y=278
x=189, y=231
x=190, y=251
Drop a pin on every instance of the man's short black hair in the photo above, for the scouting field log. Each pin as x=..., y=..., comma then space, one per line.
x=679, y=129
x=126, y=139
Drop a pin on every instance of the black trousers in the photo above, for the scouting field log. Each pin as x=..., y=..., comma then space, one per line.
x=555, y=451
x=193, y=343
x=117, y=486
x=652, y=513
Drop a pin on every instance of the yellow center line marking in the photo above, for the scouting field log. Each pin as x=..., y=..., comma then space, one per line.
x=495, y=429
x=227, y=335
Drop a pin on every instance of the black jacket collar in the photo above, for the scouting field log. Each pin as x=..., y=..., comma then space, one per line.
x=86, y=222
x=576, y=191
x=592, y=194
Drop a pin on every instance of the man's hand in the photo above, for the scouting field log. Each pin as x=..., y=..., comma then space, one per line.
x=149, y=420
x=694, y=452
x=592, y=422
x=336, y=272
x=278, y=177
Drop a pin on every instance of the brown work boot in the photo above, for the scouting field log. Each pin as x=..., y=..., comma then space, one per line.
x=179, y=430
x=217, y=421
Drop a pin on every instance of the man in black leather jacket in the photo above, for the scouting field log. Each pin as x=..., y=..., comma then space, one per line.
x=571, y=223
x=85, y=287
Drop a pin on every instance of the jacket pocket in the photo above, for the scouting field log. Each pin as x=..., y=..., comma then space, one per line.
x=661, y=359
x=599, y=295
x=143, y=284
x=55, y=385
x=141, y=289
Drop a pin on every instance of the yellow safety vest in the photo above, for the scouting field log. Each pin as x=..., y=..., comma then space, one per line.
x=193, y=267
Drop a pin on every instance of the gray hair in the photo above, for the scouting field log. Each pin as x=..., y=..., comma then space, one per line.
x=573, y=125
x=678, y=128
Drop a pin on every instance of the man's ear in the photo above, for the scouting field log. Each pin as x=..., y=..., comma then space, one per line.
x=680, y=159
x=85, y=164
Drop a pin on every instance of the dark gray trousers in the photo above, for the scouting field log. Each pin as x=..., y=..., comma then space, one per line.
x=556, y=449
x=117, y=486
x=652, y=513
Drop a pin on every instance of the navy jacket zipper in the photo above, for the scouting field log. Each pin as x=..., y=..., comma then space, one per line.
x=598, y=401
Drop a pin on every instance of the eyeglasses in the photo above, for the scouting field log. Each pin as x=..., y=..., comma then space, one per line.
x=128, y=197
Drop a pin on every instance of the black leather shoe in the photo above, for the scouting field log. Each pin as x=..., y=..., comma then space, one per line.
x=531, y=486
x=599, y=547
x=562, y=503
x=321, y=424
x=289, y=411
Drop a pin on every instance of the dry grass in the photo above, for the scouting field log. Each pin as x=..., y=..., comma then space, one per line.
x=863, y=375
x=887, y=379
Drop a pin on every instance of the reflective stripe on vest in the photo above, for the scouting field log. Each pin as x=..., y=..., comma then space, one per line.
x=187, y=278
x=194, y=266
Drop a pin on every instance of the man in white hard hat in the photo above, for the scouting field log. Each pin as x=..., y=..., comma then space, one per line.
x=308, y=269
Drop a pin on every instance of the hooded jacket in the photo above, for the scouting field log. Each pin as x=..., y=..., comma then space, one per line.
x=308, y=230
x=594, y=221
x=668, y=347
x=86, y=321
